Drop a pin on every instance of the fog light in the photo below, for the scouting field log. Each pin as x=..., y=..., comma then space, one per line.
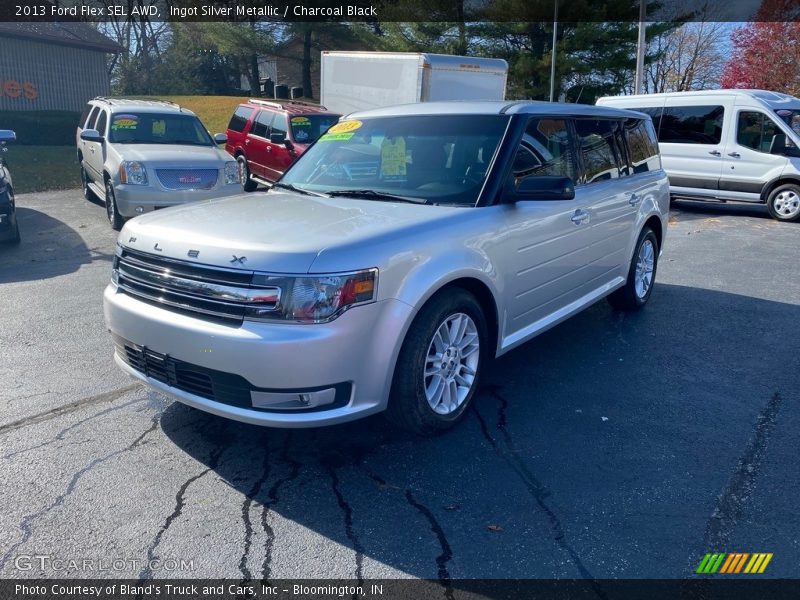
x=293, y=401
x=139, y=210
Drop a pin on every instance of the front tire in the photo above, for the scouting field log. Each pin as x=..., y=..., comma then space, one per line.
x=114, y=218
x=783, y=203
x=439, y=365
x=641, y=274
x=248, y=185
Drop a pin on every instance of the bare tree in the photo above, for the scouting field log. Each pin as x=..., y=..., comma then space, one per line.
x=687, y=58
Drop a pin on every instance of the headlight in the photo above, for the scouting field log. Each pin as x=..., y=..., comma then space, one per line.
x=232, y=172
x=316, y=298
x=132, y=172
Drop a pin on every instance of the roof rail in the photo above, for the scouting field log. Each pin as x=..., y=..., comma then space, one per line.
x=111, y=101
x=283, y=102
x=266, y=103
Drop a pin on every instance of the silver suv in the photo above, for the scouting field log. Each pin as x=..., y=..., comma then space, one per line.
x=141, y=155
x=405, y=249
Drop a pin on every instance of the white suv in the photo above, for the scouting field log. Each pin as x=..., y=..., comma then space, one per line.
x=142, y=155
x=407, y=247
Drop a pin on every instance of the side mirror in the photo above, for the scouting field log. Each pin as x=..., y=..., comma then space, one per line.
x=543, y=188
x=91, y=135
x=220, y=138
x=277, y=138
x=6, y=135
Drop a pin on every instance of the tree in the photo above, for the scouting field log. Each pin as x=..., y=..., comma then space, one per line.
x=766, y=53
x=687, y=58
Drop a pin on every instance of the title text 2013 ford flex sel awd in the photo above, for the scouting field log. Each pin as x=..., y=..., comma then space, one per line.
x=403, y=250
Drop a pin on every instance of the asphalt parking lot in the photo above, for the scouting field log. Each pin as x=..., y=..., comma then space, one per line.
x=613, y=446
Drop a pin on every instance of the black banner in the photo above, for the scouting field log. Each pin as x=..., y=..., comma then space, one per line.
x=406, y=589
x=459, y=11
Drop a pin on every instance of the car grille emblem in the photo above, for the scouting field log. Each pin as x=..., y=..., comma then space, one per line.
x=157, y=248
x=131, y=240
x=239, y=260
x=189, y=179
x=194, y=253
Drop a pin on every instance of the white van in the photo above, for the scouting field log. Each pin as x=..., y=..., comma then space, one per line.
x=727, y=145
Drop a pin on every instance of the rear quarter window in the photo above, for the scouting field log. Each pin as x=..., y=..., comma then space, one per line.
x=240, y=118
x=642, y=146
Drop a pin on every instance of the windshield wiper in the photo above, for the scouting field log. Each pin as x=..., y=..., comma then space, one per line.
x=290, y=187
x=373, y=195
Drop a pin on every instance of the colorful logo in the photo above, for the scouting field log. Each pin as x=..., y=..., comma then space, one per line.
x=735, y=562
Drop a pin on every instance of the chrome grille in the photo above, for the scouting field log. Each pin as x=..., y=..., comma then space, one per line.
x=188, y=179
x=203, y=291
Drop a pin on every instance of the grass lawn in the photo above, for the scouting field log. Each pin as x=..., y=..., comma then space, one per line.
x=42, y=168
x=214, y=111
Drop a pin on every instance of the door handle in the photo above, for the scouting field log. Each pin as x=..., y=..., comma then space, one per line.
x=579, y=217
x=715, y=153
x=734, y=154
x=247, y=141
x=269, y=148
x=634, y=199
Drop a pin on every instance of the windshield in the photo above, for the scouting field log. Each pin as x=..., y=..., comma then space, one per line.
x=434, y=158
x=307, y=128
x=791, y=117
x=155, y=128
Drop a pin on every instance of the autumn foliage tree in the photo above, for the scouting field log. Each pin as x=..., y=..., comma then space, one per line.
x=766, y=52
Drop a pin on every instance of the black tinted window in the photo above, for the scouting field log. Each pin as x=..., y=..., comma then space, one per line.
x=546, y=149
x=84, y=115
x=691, y=125
x=92, y=118
x=279, y=125
x=596, y=138
x=307, y=128
x=260, y=126
x=239, y=118
x=102, y=120
x=642, y=146
x=755, y=130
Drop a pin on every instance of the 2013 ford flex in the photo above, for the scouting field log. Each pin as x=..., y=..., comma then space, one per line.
x=406, y=248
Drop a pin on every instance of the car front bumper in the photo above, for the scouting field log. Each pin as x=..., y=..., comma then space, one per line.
x=148, y=198
x=354, y=355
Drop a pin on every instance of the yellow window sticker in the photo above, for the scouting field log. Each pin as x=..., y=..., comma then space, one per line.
x=124, y=122
x=345, y=126
x=393, y=157
x=159, y=127
x=300, y=120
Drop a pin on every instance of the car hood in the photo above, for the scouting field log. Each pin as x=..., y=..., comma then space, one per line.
x=169, y=155
x=279, y=232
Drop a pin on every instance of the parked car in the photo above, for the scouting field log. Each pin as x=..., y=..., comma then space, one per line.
x=9, y=227
x=728, y=145
x=267, y=137
x=141, y=155
x=399, y=254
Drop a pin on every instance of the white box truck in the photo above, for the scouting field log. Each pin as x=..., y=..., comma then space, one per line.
x=362, y=80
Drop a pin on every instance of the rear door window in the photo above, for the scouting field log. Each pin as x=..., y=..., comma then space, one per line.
x=596, y=139
x=84, y=115
x=691, y=124
x=92, y=118
x=261, y=125
x=642, y=146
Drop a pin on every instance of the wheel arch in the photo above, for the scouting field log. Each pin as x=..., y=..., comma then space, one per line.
x=777, y=182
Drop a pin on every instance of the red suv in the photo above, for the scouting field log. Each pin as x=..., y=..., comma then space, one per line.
x=266, y=137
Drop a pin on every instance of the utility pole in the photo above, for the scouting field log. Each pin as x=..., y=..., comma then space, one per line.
x=637, y=85
x=553, y=52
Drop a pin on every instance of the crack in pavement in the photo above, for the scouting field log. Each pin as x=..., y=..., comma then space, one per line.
x=510, y=455
x=27, y=523
x=60, y=435
x=68, y=408
x=447, y=554
x=272, y=495
x=248, y=526
x=180, y=502
x=730, y=503
x=347, y=510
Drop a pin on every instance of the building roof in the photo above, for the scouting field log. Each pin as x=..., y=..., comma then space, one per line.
x=80, y=35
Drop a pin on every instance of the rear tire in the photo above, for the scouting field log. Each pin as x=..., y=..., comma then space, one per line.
x=783, y=203
x=641, y=274
x=248, y=185
x=439, y=365
x=114, y=218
